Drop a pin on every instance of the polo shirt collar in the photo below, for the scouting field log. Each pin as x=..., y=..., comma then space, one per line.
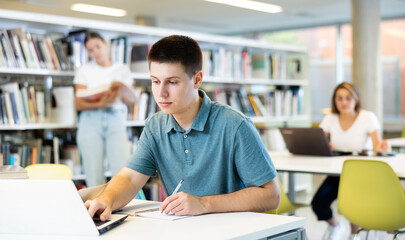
x=199, y=121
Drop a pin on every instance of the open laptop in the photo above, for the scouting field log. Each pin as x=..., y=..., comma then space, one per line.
x=47, y=207
x=308, y=141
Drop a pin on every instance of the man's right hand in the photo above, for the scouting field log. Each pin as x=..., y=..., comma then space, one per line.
x=98, y=207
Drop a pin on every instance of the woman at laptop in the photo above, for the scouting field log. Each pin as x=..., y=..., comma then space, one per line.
x=350, y=129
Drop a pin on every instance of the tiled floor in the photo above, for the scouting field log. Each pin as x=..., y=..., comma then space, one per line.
x=315, y=229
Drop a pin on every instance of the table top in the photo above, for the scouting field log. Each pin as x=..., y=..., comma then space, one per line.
x=237, y=225
x=285, y=161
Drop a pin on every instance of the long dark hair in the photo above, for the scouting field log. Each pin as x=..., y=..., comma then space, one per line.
x=91, y=35
x=353, y=91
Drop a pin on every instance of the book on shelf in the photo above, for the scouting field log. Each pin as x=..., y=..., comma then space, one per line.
x=152, y=105
x=8, y=108
x=118, y=49
x=36, y=149
x=61, y=51
x=21, y=49
x=16, y=48
x=143, y=106
x=260, y=66
x=31, y=60
x=71, y=153
x=277, y=101
x=35, y=48
x=63, y=110
x=14, y=109
x=78, y=47
x=3, y=56
x=133, y=110
x=295, y=68
x=22, y=104
x=12, y=171
x=7, y=50
x=52, y=52
x=139, y=63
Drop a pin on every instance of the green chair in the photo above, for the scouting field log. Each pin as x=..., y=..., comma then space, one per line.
x=48, y=171
x=286, y=206
x=371, y=196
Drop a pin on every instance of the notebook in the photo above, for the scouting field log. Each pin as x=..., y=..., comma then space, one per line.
x=308, y=141
x=47, y=207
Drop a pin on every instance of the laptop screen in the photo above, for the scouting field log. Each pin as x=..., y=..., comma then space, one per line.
x=306, y=141
x=43, y=207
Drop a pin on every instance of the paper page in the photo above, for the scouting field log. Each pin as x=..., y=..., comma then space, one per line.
x=155, y=213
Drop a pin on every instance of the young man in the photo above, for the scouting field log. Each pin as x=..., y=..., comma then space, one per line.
x=216, y=150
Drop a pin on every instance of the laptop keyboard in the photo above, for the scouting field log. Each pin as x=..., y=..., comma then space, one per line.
x=98, y=222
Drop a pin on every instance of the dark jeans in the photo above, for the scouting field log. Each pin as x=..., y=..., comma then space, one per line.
x=326, y=194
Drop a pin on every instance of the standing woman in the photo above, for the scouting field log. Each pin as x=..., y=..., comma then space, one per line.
x=349, y=128
x=101, y=128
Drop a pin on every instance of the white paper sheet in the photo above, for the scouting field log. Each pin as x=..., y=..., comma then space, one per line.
x=155, y=213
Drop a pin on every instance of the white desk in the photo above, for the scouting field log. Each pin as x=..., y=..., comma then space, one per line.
x=287, y=162
x=241, y=225
x=397, y=143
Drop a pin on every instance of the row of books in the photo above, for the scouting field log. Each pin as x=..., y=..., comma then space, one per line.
x=37, y=150
x=242, y=64
x=144, y=107
x=232, y=64
x=22, y=104
x=275, y=103
x=20, y=49
x=25, y=104
x=276, y=66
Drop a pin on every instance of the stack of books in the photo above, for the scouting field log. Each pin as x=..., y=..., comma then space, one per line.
x=12, y=171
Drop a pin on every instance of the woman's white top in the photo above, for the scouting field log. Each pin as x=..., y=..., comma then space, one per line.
x=93, y=75
x=356, y=138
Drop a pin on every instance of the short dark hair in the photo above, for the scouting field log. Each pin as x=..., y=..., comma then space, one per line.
x=353, y=91
x=177, y=49
x=91, y=35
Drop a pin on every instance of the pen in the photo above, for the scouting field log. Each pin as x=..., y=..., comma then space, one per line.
x=176, y=189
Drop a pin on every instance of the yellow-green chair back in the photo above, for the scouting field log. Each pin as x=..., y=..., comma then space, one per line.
x=48, y=171
x=371, y=196
x=286, y=206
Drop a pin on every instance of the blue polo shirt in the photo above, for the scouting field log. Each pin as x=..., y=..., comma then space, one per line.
x=221, y=153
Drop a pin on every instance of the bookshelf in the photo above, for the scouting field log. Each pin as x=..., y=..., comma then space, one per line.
x=229, y=63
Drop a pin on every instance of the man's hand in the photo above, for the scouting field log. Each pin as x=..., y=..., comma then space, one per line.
x=98, y=207
x=181, y=204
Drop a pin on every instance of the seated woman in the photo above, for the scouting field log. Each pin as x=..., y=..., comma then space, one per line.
x=349, y=128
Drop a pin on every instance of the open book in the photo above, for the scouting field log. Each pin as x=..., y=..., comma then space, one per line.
x=94, y=94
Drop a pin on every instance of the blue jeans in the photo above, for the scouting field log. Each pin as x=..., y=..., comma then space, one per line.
x=102, y=134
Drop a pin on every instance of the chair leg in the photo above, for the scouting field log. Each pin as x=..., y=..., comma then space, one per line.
x=367, y=234
x=397, y=233
x=358, y=232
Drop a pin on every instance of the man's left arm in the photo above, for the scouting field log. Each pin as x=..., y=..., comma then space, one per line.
x=252, y=199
